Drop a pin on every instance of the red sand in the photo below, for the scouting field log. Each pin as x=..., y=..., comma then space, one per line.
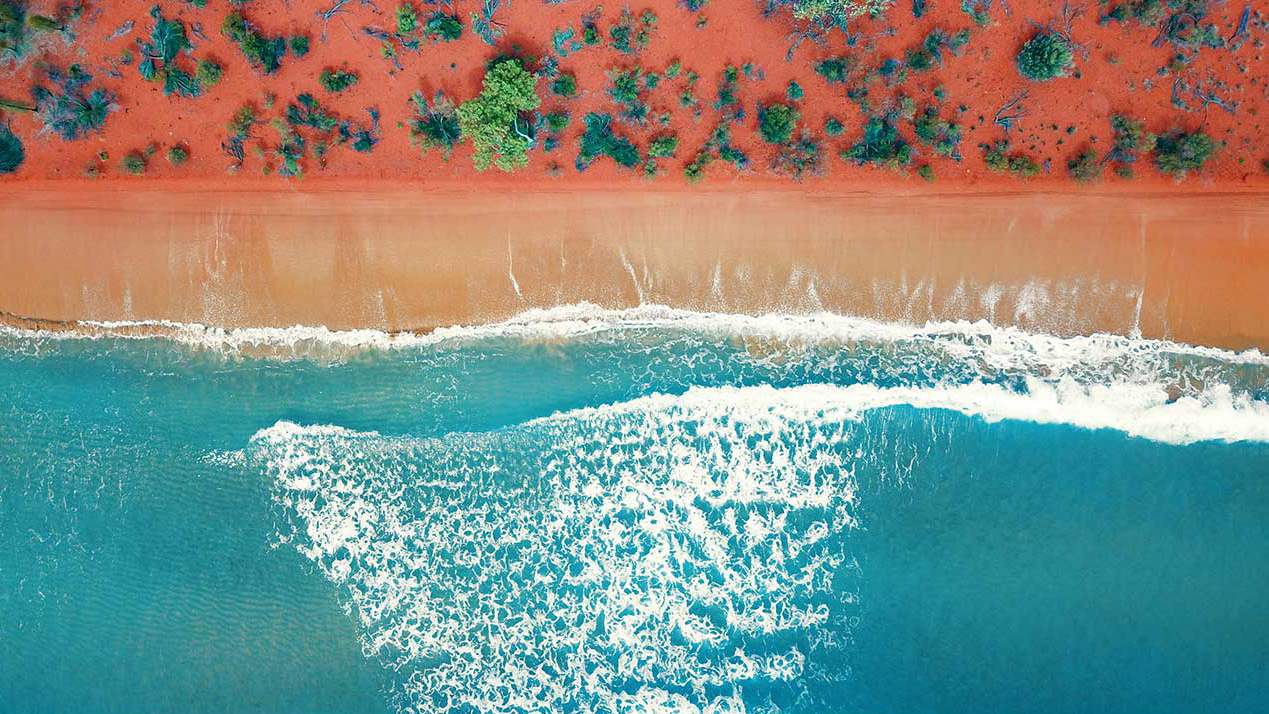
x=982, y=79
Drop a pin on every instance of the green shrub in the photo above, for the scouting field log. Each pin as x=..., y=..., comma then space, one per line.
x=834, y=69
x=208, y=73
x=557, y=121
x=943, y=135
x=598, y=140
x=695, y=170
x=631, y=36
x=159, y=57
x=834, y=12
x=565, y=85
x=833, y=126
x=67, y=110
x=299, y=45
x=999, y=159
x=795, y=92
x=1045, y=56
x=435, y=125
x=1084, y=166
x=444, y=27
x=43, y=23
x=13, y=39
x=407, y=18
x=492, y=121
x=798, y=157
x=11, y=152
x=1178, y=152
x=133, y=163
x=776, y=122
x=241, y=123
x=177, y=155
x=264, y=53
x=663, y=147
x=881, y=145
x=337, y=80
x=926, y=172
x=590, y=34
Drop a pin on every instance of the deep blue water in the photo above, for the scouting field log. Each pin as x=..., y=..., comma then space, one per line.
x=633, y=511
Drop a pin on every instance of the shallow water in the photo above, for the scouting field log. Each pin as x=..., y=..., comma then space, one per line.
x=587, y=510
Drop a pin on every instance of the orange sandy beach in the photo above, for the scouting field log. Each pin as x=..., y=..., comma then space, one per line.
x=1192, y=268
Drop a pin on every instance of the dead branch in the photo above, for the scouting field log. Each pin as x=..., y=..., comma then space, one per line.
x=1011, y=111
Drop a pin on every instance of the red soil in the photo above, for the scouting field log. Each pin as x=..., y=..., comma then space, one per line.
x=1120, y=74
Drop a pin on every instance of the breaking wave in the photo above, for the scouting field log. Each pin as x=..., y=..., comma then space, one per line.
x=669, y=553
x=660, y=555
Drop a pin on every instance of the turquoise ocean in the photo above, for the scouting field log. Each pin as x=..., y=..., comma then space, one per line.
x=643, y=510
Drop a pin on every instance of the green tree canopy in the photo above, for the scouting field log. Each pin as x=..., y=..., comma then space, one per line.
x=492, y=121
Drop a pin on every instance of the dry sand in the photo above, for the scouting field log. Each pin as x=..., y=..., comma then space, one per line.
x=1193, y=268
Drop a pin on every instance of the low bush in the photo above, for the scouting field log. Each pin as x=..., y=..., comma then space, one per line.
x=1047, y=55
x=1084, y=167
x=1000, y=159
x=69, y=108
x=834, y=69
x=565, y=85
x=599, y=140
x=799, y=157
x=208, y=73
x=133, y=163
x=881, y=145
x=337, y=80
x=663, y=147
x=11, y=152
x=435, y=125
x=776, y=122
x=264, y=53
x=177, y=155
x=1178, y=152
x=441, y=26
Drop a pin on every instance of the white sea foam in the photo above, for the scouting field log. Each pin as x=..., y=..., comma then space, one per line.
x=1140, y=410
x=688, y=546
x=613, y=558
x=999, y=346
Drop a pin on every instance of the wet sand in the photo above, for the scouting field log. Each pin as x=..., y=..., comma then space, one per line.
x=1192, y=267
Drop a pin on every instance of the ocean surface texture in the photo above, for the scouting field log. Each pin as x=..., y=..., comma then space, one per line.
x=649, y=510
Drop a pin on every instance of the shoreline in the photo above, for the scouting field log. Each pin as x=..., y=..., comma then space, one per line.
x=403, y=257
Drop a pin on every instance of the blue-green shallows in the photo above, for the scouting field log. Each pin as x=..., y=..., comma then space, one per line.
x=638, y=511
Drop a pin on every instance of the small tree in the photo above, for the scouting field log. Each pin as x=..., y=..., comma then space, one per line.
x=492, y=121
x=1046, y=56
